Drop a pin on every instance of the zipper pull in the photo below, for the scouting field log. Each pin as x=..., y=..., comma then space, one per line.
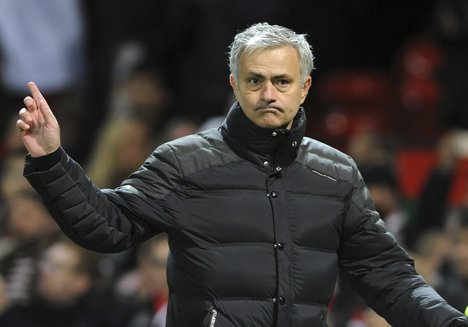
x=214, y=313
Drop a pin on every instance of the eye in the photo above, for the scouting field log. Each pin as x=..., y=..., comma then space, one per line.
x=253, y=81
x=283, y=82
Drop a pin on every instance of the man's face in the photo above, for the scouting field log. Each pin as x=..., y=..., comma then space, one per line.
x=59, y=280
x=269, y=87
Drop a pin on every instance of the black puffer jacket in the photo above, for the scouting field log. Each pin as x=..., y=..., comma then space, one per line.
x=259, y=222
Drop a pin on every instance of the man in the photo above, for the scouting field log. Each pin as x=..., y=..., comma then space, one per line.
x=65, y=292
x=259, y=217
x=142, y=293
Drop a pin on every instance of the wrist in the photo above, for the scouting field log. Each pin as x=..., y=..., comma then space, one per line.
x=47, y=161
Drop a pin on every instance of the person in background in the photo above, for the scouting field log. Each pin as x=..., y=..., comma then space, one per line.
x=431, y=253
x=372, y=319
x=135, y=125
x=137, y=112
x=455, y=277
x=27, y=232
x=450, y=28
x=374, y=156
x=430, y=256
x=4, y=300
x=67, y=292
x=433, y=205
x=48, y=47
x=142, y=293
x=259, y=216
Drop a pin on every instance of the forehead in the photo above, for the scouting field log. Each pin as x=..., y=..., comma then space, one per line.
x=278, y=60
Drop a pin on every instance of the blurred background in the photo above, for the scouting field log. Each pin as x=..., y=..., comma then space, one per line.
x=390, y=88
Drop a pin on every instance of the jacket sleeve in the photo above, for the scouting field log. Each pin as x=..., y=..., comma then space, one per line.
x=382, y=272
x=106, y=220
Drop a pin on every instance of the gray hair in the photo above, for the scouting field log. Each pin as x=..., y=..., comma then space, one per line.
x=262, y=36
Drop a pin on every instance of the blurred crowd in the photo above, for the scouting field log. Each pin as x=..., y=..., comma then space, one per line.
x=126, y=76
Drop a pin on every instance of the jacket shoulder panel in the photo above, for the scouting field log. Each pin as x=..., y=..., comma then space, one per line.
x=327, y=160
x=202, y=151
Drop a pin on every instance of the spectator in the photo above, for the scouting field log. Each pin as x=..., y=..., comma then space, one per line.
x=374, y=156
x=28, y=231
x=4, y=300
x=430, y=254
x=141, y=294
x=383, y=187
x=10, y=176
x=66, y=292
x=455, y=286
x=372, y=319
x=451, y=30
x=131, y=130
x=44, y=41
x=433, y=204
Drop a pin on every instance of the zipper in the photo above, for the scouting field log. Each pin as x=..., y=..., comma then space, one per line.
x=324, y=175
x=214, y=314
x=323, y=321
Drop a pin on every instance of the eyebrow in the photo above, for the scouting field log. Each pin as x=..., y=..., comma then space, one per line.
x=253, y=74
x=258, y=75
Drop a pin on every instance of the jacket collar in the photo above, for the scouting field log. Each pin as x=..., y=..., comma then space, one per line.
x=267, y=147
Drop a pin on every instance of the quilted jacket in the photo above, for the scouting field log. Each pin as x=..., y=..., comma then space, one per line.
x=259, y=222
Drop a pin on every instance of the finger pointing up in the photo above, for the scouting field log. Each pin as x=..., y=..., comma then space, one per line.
x=41, y=103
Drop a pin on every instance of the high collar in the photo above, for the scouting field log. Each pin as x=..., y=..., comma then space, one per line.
x=274, y=147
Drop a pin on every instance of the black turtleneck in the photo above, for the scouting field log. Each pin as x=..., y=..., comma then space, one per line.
x=276, y=146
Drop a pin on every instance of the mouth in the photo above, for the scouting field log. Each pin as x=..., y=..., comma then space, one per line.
x=269, y=108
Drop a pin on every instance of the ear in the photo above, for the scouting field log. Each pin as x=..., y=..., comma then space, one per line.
x=232, y=81
x=305, y=88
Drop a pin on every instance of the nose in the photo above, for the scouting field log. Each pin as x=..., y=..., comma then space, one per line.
x=268, y=92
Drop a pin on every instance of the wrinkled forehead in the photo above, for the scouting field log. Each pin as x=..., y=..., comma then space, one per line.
x=284, y=60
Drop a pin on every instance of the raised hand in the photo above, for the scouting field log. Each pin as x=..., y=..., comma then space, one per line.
x=37, y=125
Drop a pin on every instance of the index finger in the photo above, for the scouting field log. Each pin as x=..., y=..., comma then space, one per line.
x=37, y=95
x=41, y=102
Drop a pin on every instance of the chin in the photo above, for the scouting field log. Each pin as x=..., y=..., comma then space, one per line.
x=269, y=125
